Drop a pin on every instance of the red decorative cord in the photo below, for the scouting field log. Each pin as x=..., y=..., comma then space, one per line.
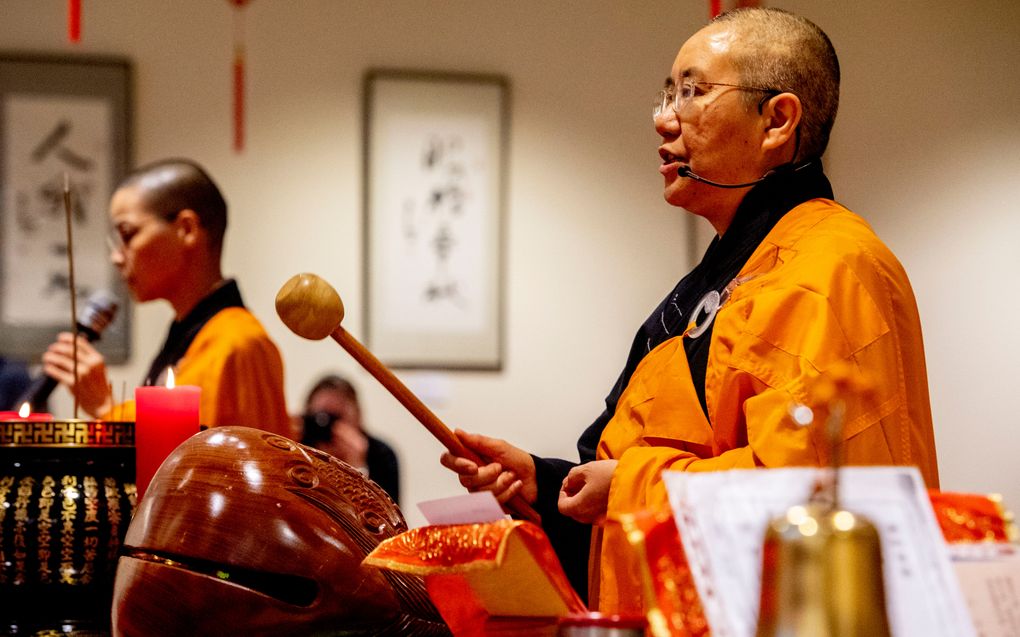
x=74, y=20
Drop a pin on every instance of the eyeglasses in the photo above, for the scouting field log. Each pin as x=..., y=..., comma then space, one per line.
x=670, y=96
x=118, y=239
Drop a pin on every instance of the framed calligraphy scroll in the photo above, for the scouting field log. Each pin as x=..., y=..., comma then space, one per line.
x=434, y=180
x=58, y=117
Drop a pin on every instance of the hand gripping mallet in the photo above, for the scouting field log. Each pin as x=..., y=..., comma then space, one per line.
x=312, y=309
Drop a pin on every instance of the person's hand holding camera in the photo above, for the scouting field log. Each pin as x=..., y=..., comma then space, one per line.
x=338, y=435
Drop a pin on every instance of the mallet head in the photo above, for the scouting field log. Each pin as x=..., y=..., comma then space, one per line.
x=309, y=306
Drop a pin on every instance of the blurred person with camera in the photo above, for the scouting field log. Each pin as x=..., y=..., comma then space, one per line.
x=332, y=423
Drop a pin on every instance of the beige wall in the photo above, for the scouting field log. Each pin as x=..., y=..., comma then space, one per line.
x=925, y=147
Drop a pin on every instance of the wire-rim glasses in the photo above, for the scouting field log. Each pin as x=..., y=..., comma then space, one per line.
x=670, y=96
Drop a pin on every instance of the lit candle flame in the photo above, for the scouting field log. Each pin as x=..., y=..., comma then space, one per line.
x=25, y=410
x=170, y=378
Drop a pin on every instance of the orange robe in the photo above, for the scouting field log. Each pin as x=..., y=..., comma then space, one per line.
x=819, y=292
x=239, y=370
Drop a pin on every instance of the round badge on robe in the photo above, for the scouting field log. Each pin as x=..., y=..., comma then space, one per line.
x=708, y=305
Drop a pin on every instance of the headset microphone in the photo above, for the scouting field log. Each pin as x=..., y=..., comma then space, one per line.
x=685, y=171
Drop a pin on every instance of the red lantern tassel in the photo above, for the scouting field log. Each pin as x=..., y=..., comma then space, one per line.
x=238, y=74
x=74, y=20
x=239, y=101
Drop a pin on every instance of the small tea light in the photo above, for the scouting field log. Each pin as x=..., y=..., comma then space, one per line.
x=24, y=413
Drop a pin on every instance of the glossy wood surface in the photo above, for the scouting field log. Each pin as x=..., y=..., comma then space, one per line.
x=244, y=532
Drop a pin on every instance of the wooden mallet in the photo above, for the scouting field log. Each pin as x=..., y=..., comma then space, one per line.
x=312, y=309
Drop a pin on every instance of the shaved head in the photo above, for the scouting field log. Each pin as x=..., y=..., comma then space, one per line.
x=171, y=185
x=777, y=49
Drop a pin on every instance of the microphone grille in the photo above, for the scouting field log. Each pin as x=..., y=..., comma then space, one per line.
x=99, y=311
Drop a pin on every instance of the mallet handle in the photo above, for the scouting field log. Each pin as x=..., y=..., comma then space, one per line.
x=420, y=411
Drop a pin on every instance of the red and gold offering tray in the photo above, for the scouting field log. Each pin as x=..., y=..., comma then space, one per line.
x=67, y=494
x=502, y=578
x=973, y=517
x=499, y=578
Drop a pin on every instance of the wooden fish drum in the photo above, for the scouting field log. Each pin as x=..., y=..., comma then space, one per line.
x=244, y=532
x=67, y=494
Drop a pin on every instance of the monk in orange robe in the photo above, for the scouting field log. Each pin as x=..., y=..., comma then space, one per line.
x=794, y=287
x=169, y=219
x=821, y=291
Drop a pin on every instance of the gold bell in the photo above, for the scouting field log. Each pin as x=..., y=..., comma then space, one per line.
x=822, y=576
x=822, y=564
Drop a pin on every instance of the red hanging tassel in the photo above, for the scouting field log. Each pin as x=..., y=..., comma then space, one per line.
x=714, y=8
x=74, y=20
x=239, y=100
x=238, y=73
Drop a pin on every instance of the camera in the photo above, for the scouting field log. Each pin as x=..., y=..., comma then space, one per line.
x=318, y=428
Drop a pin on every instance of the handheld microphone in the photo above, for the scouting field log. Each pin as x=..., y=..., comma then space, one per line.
x=97, y=314
x=685, y=171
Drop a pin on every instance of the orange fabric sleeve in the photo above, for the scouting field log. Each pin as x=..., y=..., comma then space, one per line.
x=240, y=372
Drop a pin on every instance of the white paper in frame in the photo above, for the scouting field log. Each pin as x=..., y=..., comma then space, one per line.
x=434, y=180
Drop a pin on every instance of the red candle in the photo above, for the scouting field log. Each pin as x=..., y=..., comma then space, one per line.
x=164, y=418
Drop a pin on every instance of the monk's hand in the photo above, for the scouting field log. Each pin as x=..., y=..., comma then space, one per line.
x=584, y=495
x=507, y=472
x=92, y=389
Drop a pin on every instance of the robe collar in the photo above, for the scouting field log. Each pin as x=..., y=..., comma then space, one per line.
x=763, y=206
x=726, y=256
x=758, y=213
x=184, y=331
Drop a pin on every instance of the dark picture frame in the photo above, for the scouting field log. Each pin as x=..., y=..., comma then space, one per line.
x=59, y=116
x=434, y=191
